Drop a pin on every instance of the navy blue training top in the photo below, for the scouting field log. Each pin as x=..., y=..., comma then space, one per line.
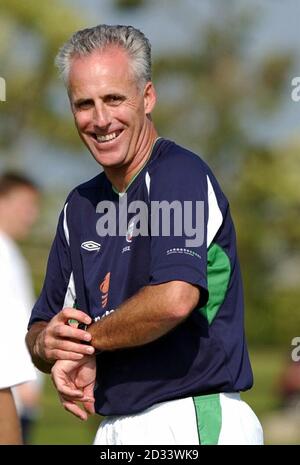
x=206, y=353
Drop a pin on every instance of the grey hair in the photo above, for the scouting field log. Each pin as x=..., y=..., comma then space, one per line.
x=86, y=41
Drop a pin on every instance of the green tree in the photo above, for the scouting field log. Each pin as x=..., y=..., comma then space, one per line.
x=30, y=35
x=267, y=208
x=209, y=98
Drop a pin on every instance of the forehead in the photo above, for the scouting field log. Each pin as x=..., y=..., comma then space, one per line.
x=106, y=69
x=20, y=194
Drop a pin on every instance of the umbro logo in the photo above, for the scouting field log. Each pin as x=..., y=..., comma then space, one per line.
x=90, y=246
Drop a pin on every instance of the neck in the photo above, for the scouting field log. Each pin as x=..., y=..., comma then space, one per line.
x=122, y=177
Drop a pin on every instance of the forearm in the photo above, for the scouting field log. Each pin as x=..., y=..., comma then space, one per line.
x=10, y=432
x=34, y=341
x=148, y=315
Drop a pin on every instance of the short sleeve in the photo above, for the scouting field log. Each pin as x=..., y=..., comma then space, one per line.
x=58, y=288
x=178, y=224
x=15, y=362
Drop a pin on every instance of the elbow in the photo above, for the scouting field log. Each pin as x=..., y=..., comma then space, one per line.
x=28, y=342
x=184, y=298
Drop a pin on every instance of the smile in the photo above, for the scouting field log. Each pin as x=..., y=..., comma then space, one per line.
x=108, y=137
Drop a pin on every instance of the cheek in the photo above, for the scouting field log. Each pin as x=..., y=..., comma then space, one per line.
x=134, y=119
x=28, y=214
x=132, y=111
x=81, y=120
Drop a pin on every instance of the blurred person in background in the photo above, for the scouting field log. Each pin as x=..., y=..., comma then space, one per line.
x=282, y=426
x=10, y=430
x=289, y=385
x=19, y=206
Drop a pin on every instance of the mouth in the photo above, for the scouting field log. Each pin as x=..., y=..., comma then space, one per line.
x=107, y=138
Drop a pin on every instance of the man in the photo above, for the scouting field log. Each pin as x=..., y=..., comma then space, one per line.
x=18, y=211
x=163, y=362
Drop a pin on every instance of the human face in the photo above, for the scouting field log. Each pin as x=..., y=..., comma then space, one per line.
x=19, y=210
x=110, y=111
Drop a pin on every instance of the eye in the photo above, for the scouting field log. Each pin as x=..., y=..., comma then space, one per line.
x=114, y=99
x=83, y=104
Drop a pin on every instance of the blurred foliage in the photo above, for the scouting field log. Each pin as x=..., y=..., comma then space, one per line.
x=210, y=99
x=30, y=35
x=266, y=206
x=217, y=92
x=129, y=4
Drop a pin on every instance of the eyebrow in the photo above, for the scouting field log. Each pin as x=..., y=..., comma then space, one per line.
x=82, y=100
x=114, y=94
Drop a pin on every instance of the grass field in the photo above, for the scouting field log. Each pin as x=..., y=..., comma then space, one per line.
x=56, y=426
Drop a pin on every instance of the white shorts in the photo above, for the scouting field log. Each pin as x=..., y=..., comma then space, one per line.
x=211, y=419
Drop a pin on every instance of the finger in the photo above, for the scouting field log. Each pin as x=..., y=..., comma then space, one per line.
x=66, y=331
x=70, y=346
x=73, y=313
x=75, y=410
x=67, y=392
x=89, y=389
x=89, y=406
x=73, y=395
x=58, y=354
x=90, y=401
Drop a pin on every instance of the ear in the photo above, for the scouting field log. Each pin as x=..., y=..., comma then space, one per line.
x=149, y=97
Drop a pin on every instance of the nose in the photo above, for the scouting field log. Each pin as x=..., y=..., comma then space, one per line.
x=101, y=115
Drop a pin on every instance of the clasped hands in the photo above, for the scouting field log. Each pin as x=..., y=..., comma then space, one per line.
x=74, y=371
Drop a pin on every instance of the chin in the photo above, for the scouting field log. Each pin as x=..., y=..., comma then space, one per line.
x=109, y=161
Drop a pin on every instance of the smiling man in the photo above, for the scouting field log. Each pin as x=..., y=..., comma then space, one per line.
x=145, y=329
x=112, y=112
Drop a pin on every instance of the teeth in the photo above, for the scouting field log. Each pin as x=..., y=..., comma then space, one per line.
x=111, y=136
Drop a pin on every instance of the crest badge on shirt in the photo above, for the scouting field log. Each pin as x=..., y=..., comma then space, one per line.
x=104, y=289
x=130, y=229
